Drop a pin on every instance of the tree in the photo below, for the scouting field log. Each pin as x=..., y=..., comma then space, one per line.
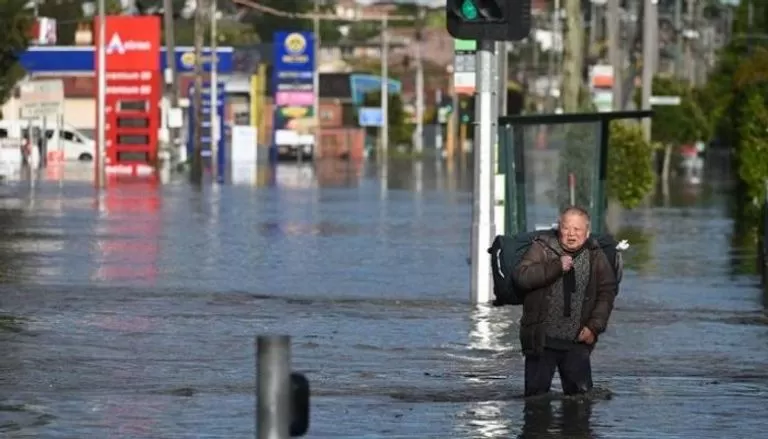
x=675, y=125
x=230, y=33
x=266, y=24
x=573, y=57
x=753, y=149
x=15, y=20
x=630, y=166
x=400, y=130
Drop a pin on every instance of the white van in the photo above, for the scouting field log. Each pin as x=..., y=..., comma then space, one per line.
x=74, y=144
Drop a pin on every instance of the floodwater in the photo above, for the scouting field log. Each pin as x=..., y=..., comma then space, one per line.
x=133, y=314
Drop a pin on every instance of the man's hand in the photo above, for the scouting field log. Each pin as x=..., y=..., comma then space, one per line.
x=567, y=262
x=586, y=336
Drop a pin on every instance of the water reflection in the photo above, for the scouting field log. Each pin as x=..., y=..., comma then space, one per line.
x=491, y=341
x=488, y=419
x=491, y=327
x=540, y=421
x=131, y=227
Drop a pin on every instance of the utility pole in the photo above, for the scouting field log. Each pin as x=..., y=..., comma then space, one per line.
x=483, y=227
x=419, y=143
x=573, y=57
x=503, y=71
x=196, y=173
x=101, y=104
x=615, y=53
x=689, y=57
x=556, y=37
x=650, y=50
x=384, y=87
x=172, y=86
x=592, y=27
x=215, y=135
x=679, y=38
x=316, y=75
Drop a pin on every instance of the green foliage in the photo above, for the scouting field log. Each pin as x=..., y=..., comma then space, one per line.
x=230, y=33
x=630, y=167
x=735, y=96
x=677, y=124
x=266, y=25
x=15, y=21
x=753, y=149
x=400, y=131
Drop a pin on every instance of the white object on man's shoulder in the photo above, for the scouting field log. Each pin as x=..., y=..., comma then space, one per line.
x=622, y=245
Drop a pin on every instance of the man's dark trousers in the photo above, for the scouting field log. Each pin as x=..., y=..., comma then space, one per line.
x=573, y=365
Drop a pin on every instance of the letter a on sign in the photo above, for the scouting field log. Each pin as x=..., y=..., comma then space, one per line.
x=115, y=45
x=132, y=43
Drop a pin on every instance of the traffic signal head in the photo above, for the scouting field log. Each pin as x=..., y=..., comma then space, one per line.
x=490, y=20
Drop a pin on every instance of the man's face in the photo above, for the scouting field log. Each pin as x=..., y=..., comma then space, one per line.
x=574, y=231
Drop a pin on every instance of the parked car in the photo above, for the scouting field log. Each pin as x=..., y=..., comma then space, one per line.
x=74, y=143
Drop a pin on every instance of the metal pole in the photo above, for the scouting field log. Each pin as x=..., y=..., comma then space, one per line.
x=439, y=124
x=503, y=71
x=615, y=53
x=384, y=87
x=689, y=59
x=679, y=38
x=101, y=104
x=419, y=144
x=273, y=386
x=214, y=97
x=552, y=69
x=196, y=173
x=499, y=90
x=316, y=77
x=483, y=150
x=172, y=91
x=650, y=30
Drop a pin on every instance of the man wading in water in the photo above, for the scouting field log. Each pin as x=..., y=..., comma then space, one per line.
x=569, y=290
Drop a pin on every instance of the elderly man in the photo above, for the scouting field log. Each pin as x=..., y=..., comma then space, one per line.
x=569, y=287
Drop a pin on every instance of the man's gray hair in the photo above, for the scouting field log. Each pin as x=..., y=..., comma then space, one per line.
x=576, y=210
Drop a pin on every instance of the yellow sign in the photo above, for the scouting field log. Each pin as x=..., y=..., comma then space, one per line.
x=294, y=112
x=187, y=59
x=295, y=48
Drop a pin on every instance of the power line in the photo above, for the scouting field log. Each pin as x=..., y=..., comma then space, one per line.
x=309, y=16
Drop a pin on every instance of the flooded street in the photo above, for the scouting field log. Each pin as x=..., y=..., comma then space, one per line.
x=132, y=314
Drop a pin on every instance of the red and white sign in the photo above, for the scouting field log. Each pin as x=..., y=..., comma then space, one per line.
x=133, y=93
x=132, y=42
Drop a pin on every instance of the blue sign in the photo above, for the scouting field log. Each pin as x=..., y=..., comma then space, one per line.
x=294, y=51
x=207, y=135
x=371, y=117
x=57, y=59
x=363, y=84
x=293, y=74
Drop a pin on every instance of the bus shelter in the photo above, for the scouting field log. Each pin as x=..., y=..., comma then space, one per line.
x=550, y=161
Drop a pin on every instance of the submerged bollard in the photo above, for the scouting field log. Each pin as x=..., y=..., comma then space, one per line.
x=282, y=397
x=273, y=386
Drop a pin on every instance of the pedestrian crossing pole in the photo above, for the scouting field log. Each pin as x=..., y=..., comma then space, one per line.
x=483, y=227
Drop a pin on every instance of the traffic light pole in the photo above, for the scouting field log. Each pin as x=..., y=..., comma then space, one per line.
x=483, y=227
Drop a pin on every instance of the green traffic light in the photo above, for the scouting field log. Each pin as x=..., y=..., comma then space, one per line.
x=469, y=10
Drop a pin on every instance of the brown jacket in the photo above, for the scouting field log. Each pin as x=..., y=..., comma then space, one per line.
x=539, y=269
